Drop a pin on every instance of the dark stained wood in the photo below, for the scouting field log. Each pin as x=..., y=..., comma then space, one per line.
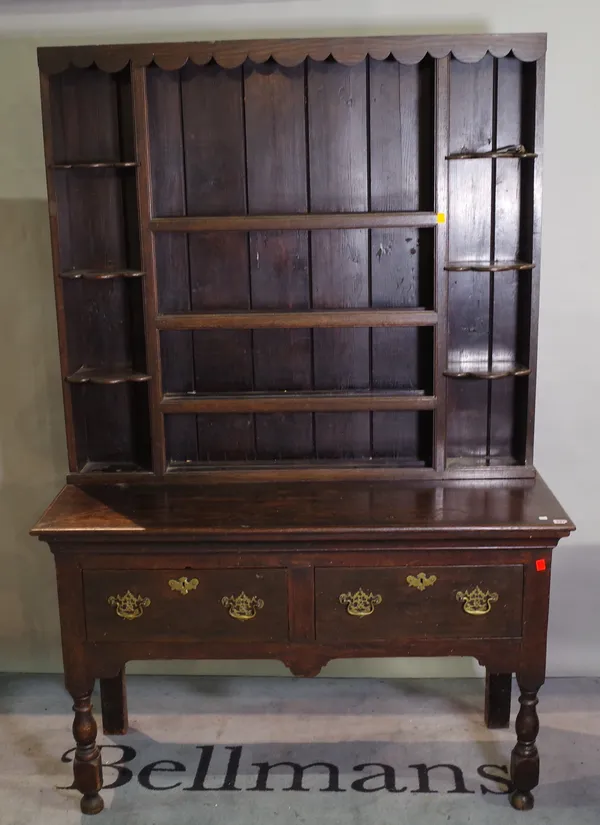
x=433, y=611
x=498, y=689
x=490, y=372
x=531, y=235
x=168, y=613
x=441, y=255
x=290, y=52
x=505, y=436
x=338, y=164
x=297, y=288
x=361, y=219
x=509, y=152
x=59, y=236
x=313, y=509
x=96, y=375
x=301, y=599
x=257, y=319
x=279, y=261
x=113, y=698
x=100, y=274
x=297, y=401
x=469, y=236
x=99, y=165
x=491, y=266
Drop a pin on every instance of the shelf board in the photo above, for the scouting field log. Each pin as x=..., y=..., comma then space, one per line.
x=482, y=461
x=103, y=375
x=515, y=151
x=487, y=266
x=124, y=467
x=484, y=371
x=306, y=221
x=321, y=464
x=101, y=164
x=100, y=274
x=317, y=401
x=298, y=319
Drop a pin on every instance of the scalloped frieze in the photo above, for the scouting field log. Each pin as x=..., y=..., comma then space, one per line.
x=230, y=54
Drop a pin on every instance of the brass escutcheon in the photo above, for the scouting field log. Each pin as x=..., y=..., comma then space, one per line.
x=476, y=602
x=421, y=581
x=360, y=604
x=183, y=585
x=242, y=607
x=129, y=606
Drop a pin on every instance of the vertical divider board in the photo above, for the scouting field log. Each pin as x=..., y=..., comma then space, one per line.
x=171, y=256
x=442, y=126
x=469, y=228
x=58, y=229
x=532, y=114
x=504, y=288
x=145, y=208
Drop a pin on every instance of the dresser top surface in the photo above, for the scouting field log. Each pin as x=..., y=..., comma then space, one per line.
x=304, y=510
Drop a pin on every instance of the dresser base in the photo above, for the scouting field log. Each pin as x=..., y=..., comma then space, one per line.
x=304, y=574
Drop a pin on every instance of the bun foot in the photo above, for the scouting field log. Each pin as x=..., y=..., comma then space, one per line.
x=92, y=804
x=521, y=800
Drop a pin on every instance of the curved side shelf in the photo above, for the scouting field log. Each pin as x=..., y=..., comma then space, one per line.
x=100, y=274
x=98, y=375
x=485, y=372
x=516, y=151
x=491, y=266
x=124, y=164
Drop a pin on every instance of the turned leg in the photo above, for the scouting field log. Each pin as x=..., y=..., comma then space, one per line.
x=498, y=688
x=87, y=767
x=525, y=761
x=113, y=695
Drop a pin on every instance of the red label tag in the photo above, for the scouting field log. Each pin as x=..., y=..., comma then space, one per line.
x=540, y=565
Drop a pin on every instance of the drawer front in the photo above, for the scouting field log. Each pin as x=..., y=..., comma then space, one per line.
x=364, y=604
x=203, y=605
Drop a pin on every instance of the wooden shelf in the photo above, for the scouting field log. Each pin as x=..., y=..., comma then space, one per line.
x=487, y=266
x=100, y=274
x=320, y=465
x=346, y=401
x=517, y=151
x=108, y=164
x=482, y=461
x=102, y=375
x=297, y=319
x=306, y=221
x=125, y=467
x=483, y=371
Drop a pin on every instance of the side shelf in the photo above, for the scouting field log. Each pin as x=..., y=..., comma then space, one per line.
x=91, y=172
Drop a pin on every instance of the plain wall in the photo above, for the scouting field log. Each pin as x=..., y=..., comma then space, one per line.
x=32, y=448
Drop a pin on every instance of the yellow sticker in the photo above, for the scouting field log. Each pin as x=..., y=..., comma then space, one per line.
x=441, y=217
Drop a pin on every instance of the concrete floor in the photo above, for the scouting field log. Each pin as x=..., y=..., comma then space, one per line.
x=215, y=738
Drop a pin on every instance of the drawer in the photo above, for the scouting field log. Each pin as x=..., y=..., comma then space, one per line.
x=204, y=605
x=365, y=604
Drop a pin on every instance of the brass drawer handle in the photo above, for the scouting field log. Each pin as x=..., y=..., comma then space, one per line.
x=183, y=585
x=242, y=607
x=421, y=581
x=476, y=602
x=360, y=604
x=129, y=606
